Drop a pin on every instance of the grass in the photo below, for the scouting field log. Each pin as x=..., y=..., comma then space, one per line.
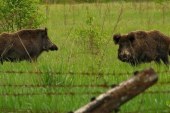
x=62, y=23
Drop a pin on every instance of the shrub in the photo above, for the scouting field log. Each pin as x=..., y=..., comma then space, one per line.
x=90, y=36
x=18, y=14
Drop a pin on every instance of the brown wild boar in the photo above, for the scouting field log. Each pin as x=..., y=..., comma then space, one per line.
x=141, y=46
x=25, y=44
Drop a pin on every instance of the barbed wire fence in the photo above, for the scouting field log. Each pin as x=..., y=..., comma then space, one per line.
x=76, y=73
x=73, y=86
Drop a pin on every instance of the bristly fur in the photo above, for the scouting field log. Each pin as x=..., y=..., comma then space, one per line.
x=144, y=46
x=26, y=44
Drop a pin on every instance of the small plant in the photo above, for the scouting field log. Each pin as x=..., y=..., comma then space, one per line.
x=18, y=14
x=48, y=79
x=168, y=103
x=91, y=36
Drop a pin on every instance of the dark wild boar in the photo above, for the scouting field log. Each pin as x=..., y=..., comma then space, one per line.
x=141, y=46
x=25, y=44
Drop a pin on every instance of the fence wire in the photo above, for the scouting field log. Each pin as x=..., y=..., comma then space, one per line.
x=74, y=93
x=76, y=73
x=67, y=86
x=105, y=86
x=90, y=93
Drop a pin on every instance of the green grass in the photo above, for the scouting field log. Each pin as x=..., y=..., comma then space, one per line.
x=62, y=23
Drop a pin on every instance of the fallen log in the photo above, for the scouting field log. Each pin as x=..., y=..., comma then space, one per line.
x=120, y=94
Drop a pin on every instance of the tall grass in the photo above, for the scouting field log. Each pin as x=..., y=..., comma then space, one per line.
x=62, y=23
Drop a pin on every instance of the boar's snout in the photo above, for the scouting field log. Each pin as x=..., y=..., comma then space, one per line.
x=53, y=47
x=124, y=56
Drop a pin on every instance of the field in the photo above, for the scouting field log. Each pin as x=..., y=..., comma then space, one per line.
x=65, y=80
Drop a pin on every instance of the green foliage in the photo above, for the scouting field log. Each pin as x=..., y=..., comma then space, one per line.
x=91, y=36
x=18, y=14
x=49, y=79
x=168, y=103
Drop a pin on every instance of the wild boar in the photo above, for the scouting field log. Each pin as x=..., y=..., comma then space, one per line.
x=25, y=44
x=143, y=46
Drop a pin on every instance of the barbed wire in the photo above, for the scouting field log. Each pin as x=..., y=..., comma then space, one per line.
x=61, y=73
x=50, y=93
x=57, y=86
x=73, y=86
x=75, y=73
x=67, y=85
x=13, y=110
x=73, y=93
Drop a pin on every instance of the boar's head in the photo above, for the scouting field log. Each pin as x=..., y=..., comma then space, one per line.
x=46, y=42
x=126, y=51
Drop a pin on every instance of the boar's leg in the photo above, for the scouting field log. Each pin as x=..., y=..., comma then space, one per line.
x=134, y=63
x=158, y=60
x=33, y=59
x=1, y=60
x=5, y=51
x=165, y=60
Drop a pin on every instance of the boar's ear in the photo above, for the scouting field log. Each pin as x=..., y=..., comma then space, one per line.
x=131, y=37
x=116, y=38
x=45, y=31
